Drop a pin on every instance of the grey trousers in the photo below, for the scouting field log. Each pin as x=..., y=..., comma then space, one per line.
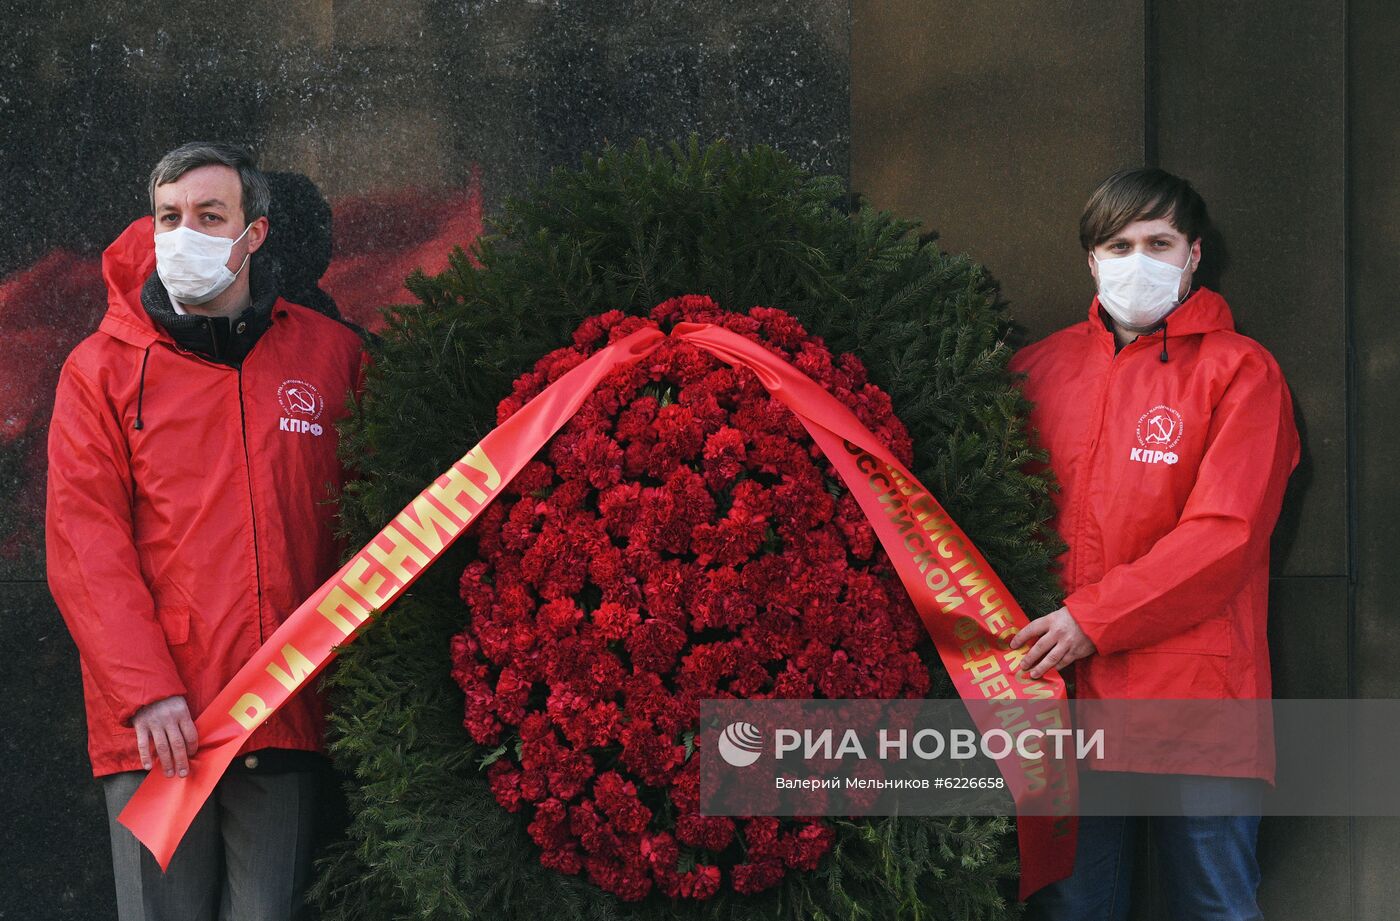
x=246, y=856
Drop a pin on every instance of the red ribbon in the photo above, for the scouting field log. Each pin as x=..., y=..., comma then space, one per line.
x=967, y=610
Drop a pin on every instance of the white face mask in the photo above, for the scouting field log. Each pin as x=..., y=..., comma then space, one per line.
x=194, y=265
x=1137, y=290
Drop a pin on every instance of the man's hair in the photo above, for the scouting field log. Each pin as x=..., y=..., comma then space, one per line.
x=1142, y=194
x=256, y=195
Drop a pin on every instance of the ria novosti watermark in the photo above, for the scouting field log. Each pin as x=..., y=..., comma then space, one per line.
x=741, y=744
x=950, y=757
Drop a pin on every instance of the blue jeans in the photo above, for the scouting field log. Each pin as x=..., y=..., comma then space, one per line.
x=1208, y=863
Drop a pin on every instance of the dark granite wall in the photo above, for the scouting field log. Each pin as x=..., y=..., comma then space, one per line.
x=1002, y=117
x=1372, y=407
x=414, y=119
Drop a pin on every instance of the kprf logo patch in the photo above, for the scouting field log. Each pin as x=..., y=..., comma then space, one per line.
x=1158, y=431
x=302, y=404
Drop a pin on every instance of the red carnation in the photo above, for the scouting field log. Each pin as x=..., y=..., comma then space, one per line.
x=756, y=877
x=680, y=498
x=713, y=833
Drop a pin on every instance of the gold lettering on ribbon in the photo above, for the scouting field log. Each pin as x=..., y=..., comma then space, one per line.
x=298, y=668
x=449, y=489
x=455, y=483
x=339, y=600
x=429, y=524
x=477, y=460
x=250, y=711
x=378, y=573
x=931, y=542
x=368, y=584
x=400, y=552
x=381, y=570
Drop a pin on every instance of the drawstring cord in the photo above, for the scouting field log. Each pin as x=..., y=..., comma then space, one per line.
x=1163, y=356
x=141, y=389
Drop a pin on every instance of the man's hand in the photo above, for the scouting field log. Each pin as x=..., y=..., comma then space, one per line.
x=166, y=726
x=1058, y=642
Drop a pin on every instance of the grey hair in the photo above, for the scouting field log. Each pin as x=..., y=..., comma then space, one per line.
x=257, y=197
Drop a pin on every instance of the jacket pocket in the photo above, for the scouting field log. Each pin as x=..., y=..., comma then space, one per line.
x=1194, y=663
x=175, y=621
x=1210, y=637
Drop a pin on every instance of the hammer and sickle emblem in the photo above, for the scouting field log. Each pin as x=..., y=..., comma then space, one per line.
x=301, y=400
x=1162, y=428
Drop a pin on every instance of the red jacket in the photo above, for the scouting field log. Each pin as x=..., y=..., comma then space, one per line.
x=1171, y=477
x=174, y=549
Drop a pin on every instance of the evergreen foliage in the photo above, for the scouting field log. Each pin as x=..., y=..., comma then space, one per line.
x=628, y=229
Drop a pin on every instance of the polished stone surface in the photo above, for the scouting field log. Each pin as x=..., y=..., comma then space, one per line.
x=992, y=123
x=1262, y=138
x=994, y=131
x=55, y=862
x=412, y=121
x=415, y=120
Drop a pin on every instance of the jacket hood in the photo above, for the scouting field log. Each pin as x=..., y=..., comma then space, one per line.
x=126, y=264
x=1203, y=311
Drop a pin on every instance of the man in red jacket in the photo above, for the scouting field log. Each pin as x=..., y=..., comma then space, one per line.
x=192, y=468
x=1172, y=438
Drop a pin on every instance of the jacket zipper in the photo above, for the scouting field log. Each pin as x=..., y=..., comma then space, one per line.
x=247, y=463
x=213, y=339
x=252, y=508
x=1087, y=471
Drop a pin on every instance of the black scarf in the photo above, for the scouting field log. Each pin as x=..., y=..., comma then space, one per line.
x=227, y=340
